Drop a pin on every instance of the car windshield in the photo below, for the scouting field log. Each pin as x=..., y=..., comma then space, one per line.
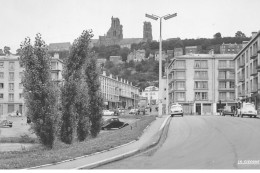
x=249, y=107
x=176, y=106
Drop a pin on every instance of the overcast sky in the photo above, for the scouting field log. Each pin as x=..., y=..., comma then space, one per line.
x=64, y=20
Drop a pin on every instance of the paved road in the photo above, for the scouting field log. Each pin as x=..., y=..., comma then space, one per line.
x=203, y=142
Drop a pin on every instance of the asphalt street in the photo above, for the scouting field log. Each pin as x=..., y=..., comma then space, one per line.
x=202, y=142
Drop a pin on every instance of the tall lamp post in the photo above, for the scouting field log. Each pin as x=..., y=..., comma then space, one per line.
x=166, y=17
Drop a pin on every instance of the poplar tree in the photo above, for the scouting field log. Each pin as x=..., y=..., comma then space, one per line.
x=39, y=92
x=73, y=102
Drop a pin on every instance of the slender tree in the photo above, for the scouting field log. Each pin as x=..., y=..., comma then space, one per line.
x=40, y=93
x=71, y=102
x=95, y=101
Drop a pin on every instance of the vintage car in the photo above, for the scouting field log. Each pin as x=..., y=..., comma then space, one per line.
x=247, y=109
x=113, y=123
x=133, y=111
x=6, y=123
x=108, y=113
x=176, y=109
x=228, y=111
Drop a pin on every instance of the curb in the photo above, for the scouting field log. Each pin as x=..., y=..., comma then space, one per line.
x=128, y=154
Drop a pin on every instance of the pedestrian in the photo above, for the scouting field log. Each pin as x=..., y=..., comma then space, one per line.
x=150, y=109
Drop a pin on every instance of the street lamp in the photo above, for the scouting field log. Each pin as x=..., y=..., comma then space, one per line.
x=166, y=17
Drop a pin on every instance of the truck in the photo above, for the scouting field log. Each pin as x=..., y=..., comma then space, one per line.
x=142, y=105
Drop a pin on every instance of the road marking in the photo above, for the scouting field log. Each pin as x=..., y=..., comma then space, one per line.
x=107, y=160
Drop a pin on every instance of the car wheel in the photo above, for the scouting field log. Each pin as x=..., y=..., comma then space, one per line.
x=182, y=115
x=242, y=115
x=171, y=115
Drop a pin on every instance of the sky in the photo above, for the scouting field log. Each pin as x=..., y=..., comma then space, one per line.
x=64, y=20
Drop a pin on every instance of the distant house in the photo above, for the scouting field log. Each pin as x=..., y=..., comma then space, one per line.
x=101, y=61
x=230, y=48
x=178, y=51
x=136, y=56
x=192, y=50
x=116, y=59
x=157, y=55
x=61, y=48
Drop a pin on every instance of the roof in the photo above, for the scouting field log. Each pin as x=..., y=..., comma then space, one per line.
x=207, y=56
x=59, y=46
x=247, y=45
x=9, y=57
x=130, y=41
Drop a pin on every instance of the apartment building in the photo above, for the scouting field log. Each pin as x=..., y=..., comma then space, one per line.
x=151, y=93
x=199, y=81
x=118, y=92
x=11, y=88
x=230, y=48
x=247, y=66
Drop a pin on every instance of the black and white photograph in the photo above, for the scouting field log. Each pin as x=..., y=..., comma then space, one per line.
x=129, y=85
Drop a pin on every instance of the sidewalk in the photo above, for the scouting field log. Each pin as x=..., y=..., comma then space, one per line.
x=149, y=138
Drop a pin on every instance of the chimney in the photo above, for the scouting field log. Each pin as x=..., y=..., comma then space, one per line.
x=104, y=73
x=110, y=76
x=117, y=78
x=244, y=43
x=254, y=34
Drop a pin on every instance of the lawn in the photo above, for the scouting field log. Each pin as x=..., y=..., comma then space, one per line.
x=105, y=140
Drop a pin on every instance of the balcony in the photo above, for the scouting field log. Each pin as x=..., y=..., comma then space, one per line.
x=226, y=68
x=201, y=78
x=227, y=99
x=241, y=78
x=226, y=89
x=254, y=72
x=253, y=56
x=228, y=78
x=180, y=89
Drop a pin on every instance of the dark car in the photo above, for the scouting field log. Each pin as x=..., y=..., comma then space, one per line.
x=228, y=111
x=6, y=123
x=113, y=123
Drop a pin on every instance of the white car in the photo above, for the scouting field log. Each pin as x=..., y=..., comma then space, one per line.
x=248, y=109
x=176, y=109
x=108, y=113
x=133, y=111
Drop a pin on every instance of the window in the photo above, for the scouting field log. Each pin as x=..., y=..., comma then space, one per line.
x=11, y=76
x=222, y=75
x=1, y=75
x=11, y=86
x=180, y=64
x=231, y=84
x=11, y=65
x=222, y=85
x=20, y=85
x=200, y=64
x=201, y=85
x=53, y=65
x=232, y=95
x=201, y=75
x=10, y=108
x=20, y=75
x=222, y=96
x=180, y=85
x=180, y=74
x=11, y=97
x=201, y=96
x=1, y=95
x=21, y=95
x=222, y=63
x=180, y=96
x=1, y=85
x=1, y=64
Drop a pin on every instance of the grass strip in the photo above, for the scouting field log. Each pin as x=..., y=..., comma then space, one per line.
x=104, y=141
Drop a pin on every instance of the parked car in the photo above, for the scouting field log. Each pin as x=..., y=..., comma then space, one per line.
x=108, y=113
x=176, y=109
x=121, y=110
x=247, y=109
x=113, y=123
x=133, y=111
x=228, y=111
x=6, y=123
